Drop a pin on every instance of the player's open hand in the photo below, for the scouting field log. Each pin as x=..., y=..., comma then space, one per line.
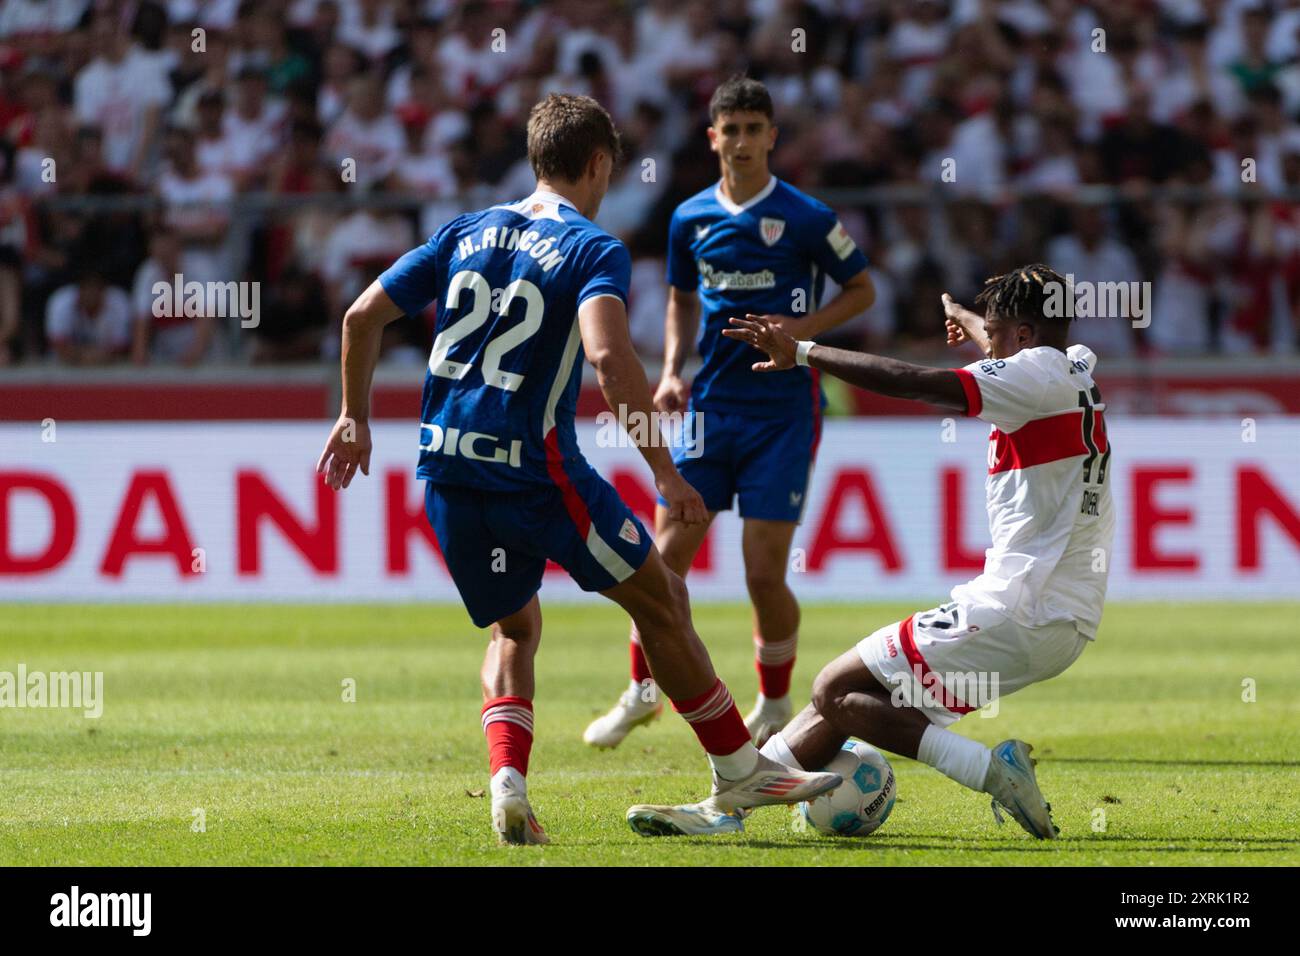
x=347, y=450
x=672, y=394
x=684, y=502
x=767, y=336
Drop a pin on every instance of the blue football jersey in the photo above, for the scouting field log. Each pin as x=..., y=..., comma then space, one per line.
x=769, y=255
x=501, y=389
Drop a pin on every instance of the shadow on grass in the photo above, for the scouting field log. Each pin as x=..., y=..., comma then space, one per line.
x=1062, y=845
x=1145, y=761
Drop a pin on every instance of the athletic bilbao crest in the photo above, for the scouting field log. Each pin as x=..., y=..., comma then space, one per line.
x=629, y=533
x=772, y=229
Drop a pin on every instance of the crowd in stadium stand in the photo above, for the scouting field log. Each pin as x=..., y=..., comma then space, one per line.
x=1004, y=110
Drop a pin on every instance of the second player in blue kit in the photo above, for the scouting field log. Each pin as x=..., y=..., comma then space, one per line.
x=749, y=245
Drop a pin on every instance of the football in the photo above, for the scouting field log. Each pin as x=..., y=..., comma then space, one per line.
x=863, y=802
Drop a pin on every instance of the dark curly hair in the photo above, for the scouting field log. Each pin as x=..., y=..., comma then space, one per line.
x=1021, y=295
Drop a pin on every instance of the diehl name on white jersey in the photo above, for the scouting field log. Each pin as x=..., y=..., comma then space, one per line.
x=1049, y=502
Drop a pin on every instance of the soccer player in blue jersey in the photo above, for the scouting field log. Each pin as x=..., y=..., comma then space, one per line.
x=751, y=244
x=525, y=290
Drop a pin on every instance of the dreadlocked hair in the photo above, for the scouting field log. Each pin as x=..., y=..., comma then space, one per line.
x=1021, y=295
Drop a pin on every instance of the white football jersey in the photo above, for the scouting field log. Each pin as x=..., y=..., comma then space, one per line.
x=1050, y=512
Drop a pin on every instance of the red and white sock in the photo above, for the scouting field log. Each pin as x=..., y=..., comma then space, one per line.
x=508, y=726
x=717, y=723
x=774, y=661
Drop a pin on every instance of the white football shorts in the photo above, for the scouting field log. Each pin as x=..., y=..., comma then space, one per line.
x=956, y=658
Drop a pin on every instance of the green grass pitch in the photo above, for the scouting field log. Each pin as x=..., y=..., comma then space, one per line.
x=1147, y=749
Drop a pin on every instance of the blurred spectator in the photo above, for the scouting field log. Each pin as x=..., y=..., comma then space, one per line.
x=1089, y=254
x=363, y=240
x=122, y=92
x=195, y=209
x=370, y=26
x=293, y=320
x=983, y=123
x=89, y=321
x=159, y=336
x=366, y=134
x=212, y=146
x=253, y=129
x=27, y=19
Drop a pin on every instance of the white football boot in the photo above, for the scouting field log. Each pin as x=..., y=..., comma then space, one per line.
x=629, y=713
x=771, y=783
x=692, y=819
x=512, y=817
x=768, y=784
x=1011, y=783
x=768, y=717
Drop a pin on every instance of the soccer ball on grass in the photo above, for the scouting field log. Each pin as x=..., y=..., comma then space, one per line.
x=862, y=802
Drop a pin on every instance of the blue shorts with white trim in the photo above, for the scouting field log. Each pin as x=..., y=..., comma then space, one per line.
x=764, y=462
x=496, y=544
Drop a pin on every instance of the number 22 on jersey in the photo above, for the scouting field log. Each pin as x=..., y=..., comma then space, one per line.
x=486, y=300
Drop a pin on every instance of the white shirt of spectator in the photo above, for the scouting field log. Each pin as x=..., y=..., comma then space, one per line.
x=213, y=14
x=116, y=97
x=216, y=156
x=466, y=67
x=428, y=174
x=174, y=336
x=202, y=262
x=1110, y=261
x=196, y=201
x=363, y=236
x=250, y=143
x=977, y=154
x=110, y=330
x=376, y=145
x=22, y=18
x=375, y=40
x=1051, y=548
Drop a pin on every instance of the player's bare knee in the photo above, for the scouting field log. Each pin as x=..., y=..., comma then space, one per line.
x=521, y=634
x=667, y=616
x=826, y=693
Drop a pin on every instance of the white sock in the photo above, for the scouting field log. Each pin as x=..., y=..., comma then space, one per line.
x=955, y=756
x=777, y=749
x=737, y=765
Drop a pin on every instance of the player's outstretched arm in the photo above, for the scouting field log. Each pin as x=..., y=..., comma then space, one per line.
x=876, y=373
x=602, y=321
x=348, y=447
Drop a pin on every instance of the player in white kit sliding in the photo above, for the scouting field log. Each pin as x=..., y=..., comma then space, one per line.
x=1037, y=603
